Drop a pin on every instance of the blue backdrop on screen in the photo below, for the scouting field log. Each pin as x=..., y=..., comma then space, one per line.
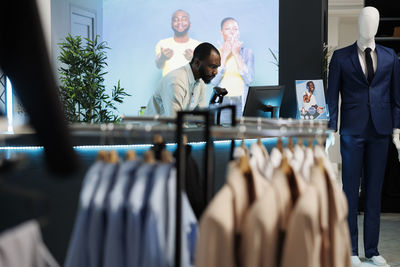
x=132, y=29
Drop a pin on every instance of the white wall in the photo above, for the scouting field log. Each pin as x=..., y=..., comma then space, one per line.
x=60, y=21
x=44, y=7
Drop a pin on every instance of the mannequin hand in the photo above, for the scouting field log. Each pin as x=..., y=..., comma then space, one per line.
x=396, y=140
x=330, y=141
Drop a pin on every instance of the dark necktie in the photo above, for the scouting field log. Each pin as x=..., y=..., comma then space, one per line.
x=370, y=67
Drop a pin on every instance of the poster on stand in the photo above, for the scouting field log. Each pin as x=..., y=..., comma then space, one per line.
x=310, y=98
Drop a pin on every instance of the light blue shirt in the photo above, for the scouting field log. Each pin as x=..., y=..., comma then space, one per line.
x=155, y=233
x=135, y=217
x=97, y=224
x=189, y=226
x=114, y=245
x=77, y=251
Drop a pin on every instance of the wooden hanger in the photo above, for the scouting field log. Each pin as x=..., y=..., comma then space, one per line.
x=263, y=150
x=130, y=155
x=113, y=157
x=310, y=142
x=166, y=156
x=290, y=144
x=102, y=155
x=293, y=185
x=279, y=145
x=149, y=157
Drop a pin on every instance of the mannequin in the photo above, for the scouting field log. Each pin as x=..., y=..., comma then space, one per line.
x=367, y=76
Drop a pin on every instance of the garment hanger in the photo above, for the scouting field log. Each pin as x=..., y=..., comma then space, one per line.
x=300, y=142
x=245, y=169
x=310, y=142
x=102, y=156
x=292, y=182
x=263, y=149
x=279, y=145
x=113, y=157
x=159, y=149
x=242, y=160
x=290, y=144
x=130, y=155
x=149, y=157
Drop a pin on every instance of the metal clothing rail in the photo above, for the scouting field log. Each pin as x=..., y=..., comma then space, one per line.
x=245, y=131
x=181, y=165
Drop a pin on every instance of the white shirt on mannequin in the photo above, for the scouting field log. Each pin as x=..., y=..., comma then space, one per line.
x=368, y=22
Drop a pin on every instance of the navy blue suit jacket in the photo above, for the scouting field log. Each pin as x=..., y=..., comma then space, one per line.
x=380, y=99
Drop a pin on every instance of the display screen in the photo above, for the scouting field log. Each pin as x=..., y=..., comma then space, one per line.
x=132, y=29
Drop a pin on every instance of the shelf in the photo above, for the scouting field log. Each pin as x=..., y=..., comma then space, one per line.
x=390, y=19
x=387, y=38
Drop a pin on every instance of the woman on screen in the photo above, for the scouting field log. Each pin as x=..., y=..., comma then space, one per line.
x=236, y=72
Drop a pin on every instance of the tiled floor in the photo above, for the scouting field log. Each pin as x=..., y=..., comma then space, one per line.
x=389, y=239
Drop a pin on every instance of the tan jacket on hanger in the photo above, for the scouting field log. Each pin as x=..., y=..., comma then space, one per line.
x=267, y=223
x=222, y=222
x=318, y=234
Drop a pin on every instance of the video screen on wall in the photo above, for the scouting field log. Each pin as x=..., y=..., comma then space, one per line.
x=138, y=30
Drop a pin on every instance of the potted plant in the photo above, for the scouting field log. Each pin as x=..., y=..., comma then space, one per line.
x=82, y=87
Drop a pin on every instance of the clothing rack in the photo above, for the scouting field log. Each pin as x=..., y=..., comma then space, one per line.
x=239, y=129
x=181, y=169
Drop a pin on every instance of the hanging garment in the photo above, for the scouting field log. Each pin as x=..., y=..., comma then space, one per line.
x=194, y=184
x=22, y=246
x=155, y=232
x=114, y=243
x=138, y=194
x=318, y=234
x=222, y=223
x=78, y=246
x=188, y=226
x=97, y=222
x=260, y=235
x=267, y=222
x=259, y=160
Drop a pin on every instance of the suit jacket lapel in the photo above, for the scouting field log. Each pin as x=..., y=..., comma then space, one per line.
x=356, y=62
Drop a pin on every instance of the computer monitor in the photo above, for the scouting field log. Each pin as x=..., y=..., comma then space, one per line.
x=263, y=101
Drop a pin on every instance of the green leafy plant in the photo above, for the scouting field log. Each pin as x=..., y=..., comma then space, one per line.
x=327, y=52
x=82, y=82
x=275, y=57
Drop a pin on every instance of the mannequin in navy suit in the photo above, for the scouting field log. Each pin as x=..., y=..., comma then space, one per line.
x=370, y=110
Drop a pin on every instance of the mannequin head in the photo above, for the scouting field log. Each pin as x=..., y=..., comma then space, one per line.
x=368, y=22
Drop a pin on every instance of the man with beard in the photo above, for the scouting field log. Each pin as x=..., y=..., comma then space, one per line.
x=184, y=88
x=176, y=51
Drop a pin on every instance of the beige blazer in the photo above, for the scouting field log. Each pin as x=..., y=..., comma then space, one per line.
x=267, y=223
x=318, y=233
x=221, y=225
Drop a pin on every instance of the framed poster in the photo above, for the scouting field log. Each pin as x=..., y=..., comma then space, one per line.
x=310, y=98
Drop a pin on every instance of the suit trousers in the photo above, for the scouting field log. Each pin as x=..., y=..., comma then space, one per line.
x=367, y=152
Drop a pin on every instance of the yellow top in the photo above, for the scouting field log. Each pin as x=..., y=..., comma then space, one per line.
x=232, y=81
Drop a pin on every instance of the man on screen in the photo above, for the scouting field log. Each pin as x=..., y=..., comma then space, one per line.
x=184, y=88
x=308, y=96
x=174, y=52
